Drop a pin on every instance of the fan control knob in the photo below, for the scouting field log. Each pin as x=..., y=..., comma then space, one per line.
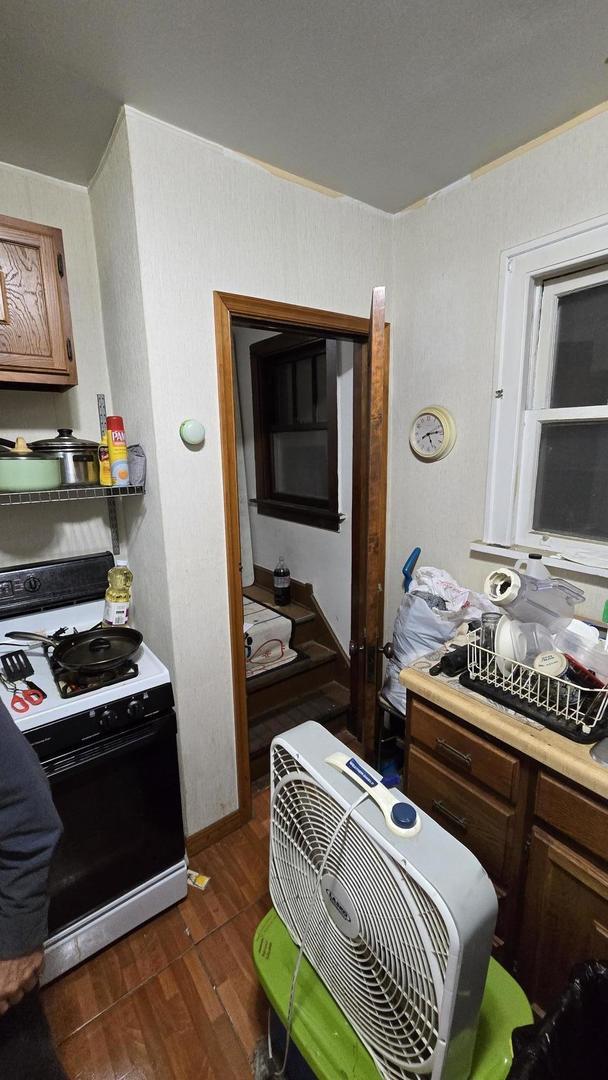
x=135, y=709
x=404, y=815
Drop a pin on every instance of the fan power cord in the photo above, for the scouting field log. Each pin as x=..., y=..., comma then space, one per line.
x=296, y=970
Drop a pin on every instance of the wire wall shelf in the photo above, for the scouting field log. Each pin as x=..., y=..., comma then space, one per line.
x=68, y=495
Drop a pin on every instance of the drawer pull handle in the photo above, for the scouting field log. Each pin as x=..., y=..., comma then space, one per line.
x=441, y=808
x=450, y=751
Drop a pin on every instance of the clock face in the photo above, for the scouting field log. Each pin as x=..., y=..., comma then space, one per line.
x=433, y=433
x=428, y=434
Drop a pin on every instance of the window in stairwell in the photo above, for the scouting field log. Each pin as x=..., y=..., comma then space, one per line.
x=294, y=385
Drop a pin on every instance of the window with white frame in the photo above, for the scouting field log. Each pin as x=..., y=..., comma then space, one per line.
x=548, y=478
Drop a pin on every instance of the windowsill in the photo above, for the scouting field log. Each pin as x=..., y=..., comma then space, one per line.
x=559, y=562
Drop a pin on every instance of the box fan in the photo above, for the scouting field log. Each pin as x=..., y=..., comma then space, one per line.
x=394, y=914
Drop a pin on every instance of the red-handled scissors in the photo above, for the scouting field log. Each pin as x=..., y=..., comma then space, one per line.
x=23, y=700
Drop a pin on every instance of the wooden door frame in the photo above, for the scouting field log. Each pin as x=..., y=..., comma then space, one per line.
x=228, y=306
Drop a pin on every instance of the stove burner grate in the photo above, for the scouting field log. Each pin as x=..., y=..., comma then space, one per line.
x=71, y=685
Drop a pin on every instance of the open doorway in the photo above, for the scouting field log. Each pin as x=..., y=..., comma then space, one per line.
x=303, y=397
x=294, y=439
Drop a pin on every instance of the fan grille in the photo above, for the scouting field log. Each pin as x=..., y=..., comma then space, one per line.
x=389, y=978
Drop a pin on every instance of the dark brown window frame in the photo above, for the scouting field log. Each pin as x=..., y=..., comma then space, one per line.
x=304, y=510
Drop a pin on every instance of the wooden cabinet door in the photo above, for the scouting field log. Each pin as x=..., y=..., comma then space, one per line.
x=565, y=917
x=35, y=328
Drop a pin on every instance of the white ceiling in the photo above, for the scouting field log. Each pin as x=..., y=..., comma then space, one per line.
x=386, y=102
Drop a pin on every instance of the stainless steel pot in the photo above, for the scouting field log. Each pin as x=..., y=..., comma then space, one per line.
x=77, y=457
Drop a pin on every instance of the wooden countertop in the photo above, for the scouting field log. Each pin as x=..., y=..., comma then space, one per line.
x=563, y=756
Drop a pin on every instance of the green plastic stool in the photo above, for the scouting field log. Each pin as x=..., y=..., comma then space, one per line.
x=327, y=1041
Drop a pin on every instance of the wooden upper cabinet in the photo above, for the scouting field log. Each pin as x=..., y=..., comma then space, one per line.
x=36, y=347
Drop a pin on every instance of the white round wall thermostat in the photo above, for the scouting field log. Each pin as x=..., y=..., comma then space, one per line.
x=433, y=433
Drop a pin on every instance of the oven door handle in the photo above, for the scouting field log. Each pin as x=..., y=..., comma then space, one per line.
x=66, y=764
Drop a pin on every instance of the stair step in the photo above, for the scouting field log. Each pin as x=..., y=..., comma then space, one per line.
x=327, y=704
x=310, y=655
x=296, y=612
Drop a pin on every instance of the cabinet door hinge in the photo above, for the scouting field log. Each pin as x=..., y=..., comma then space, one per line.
x=69, y=350
x=60, y=263
x=528, y=843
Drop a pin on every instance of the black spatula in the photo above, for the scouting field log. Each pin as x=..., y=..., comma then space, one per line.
x=16, y=666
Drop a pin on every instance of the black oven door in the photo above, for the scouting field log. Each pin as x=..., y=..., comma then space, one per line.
x=121, y=811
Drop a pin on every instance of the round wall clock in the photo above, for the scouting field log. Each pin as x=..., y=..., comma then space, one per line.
x=433, y=433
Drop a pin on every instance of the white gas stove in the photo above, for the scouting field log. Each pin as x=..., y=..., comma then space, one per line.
x=150, y=671
x=110, y=754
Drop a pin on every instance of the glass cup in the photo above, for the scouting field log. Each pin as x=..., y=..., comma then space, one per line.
x=487, y=642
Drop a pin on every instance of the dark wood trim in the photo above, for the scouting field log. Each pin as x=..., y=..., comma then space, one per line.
x=265, y=312
x=226, y=388
x=282, y=343
x=204, y=838
x=331, y=361
x=359, y=518
x=306, y=514
x=229, y=306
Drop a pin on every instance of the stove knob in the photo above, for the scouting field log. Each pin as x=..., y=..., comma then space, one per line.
x=135, y=709
x=108, y=718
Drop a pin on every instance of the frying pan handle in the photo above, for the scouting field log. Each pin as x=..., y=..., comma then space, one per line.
x=21, y=635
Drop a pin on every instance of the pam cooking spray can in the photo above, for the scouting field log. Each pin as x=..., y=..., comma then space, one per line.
x=117, y=450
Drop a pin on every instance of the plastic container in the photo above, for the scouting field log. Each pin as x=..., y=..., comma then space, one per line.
x=117, y=450
x=535, y=597
x=118, y=595
x=592, y=657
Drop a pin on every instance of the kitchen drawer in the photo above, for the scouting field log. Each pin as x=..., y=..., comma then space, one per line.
x=581, y=817
x=479, y=820
x=462, y=750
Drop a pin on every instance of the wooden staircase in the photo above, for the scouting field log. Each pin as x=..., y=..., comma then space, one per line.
x=316, y=686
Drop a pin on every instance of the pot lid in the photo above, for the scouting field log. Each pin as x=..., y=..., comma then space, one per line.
x=20, y=450
x=98, y=648
x=63, y=440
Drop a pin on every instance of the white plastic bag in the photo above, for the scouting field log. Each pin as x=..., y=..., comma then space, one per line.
x=420, y=629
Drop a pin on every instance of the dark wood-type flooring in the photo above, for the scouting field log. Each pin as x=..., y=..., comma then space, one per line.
x=177, y=999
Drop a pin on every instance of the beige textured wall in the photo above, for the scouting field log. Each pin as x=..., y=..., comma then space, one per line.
x=207, y=219
x=125, y=333
x=47, y=532
x=445, y=293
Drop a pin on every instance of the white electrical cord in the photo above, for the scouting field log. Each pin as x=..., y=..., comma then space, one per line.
x=296, y=970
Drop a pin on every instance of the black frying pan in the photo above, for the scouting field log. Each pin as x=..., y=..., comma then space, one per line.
x=91, y=651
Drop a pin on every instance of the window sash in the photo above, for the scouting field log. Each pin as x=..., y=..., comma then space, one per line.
x=524, y=532
x=523, y=270
x=545, y=353
x=270, y=501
